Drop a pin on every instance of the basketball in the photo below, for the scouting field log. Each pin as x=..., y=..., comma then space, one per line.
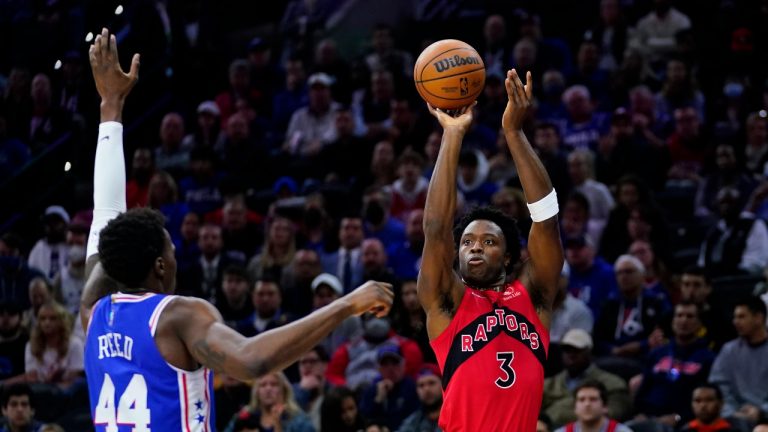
x=449, y=74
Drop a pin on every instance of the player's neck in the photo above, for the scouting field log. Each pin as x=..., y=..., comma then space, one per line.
x=497, y=285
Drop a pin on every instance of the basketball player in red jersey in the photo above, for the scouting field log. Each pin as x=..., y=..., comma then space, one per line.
x=490, y=337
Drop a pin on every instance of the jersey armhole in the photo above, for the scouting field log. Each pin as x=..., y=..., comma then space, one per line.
x=155, y=317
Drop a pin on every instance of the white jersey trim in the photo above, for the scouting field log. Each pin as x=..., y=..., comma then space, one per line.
x=194, y=400
x=155, y=317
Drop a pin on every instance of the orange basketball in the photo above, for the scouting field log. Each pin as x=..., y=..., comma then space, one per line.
x=449, y=74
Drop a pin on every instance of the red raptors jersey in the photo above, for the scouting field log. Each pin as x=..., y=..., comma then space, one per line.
x=492, y=357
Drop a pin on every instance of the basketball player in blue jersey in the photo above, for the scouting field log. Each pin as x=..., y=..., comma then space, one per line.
x=149, y=355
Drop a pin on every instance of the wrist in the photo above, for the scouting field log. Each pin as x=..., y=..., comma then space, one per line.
x=455, y=131
x=112, y=109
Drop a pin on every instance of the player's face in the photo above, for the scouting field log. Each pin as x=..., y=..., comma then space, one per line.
x=169, y=259
x=706, y=406
x=589, y=406
x=482, y=254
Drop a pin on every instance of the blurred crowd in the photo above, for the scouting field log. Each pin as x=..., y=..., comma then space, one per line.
x=290, y=155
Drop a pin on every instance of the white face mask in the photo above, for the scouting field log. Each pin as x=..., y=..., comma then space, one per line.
x=76, y=254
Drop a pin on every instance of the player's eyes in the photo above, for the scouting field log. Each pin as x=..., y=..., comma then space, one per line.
x=489, y=242
x=466, y=242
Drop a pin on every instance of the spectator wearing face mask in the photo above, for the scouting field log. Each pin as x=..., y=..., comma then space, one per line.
x=49, y=255
x=355, y=363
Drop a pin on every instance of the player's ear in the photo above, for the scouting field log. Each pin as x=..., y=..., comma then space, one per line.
x=159, y=267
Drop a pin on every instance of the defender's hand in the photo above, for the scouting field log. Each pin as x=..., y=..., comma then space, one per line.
x=112, y=83
x=520, y=99
x=372, y=296
x=461, y=122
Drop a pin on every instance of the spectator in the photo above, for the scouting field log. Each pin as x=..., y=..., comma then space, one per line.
x=591, y=400
x=204, y=278
x=265, y=76
x=392, y=395
x=239, y=89
x=355, y=363
x=495, y=48
x=346, y=262
x=559, y=399
x=171, y=156
x=52, y=355
x=409, y=191
x=473, y=179
x=410, y=320
x=655, y=32
x=163, y=195
x=278, y=251
x=630, y=324
x=740, y=369
x=738, y=243
x=240, y=228
x=374, y=259
x=385, y=56
x=581, y=169
x=707, y=403
x=687, y=147
x=511, y=201
x=568, y=312
x=405, y=258
x=14, y=154
x=611, y=35
x=15, y=275
x=727, y=174
x=329, y=60
x=372, y=106
x=546, y=141
x=576, y=219
x=311, y=127
x=551, y=106
x=187, y=250
x=583, y=126
x=679, y=91
x=589, y=73
x=267, y=314
x=272, y=407
x=240, y=153
x=344, y=156
x=19, y=409
x=756, y=149
x=40, y=293
x=696, y=287
x=430, y=392
x=49, y=255
x=45, y=121
x=656, y=278
x=293, y=96
x=142, y=170
x=675, y=369
x=235, y=305
x=383, y=165
x=296, y=282
x=13, y=340
x=592, y=279
x=201, y=189
x=310, y=391
x=69, y=283
x=207, y=129
x=325, y=289
x=379, y=224
x=339, y=412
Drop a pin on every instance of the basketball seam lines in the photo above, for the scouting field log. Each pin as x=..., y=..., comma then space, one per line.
x=436, y=56
x=452, y=75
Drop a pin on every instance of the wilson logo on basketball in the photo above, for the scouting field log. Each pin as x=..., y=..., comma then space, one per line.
x=455, y=61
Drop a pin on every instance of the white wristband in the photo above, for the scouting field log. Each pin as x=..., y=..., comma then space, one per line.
x=544, y=208
x=108, y=181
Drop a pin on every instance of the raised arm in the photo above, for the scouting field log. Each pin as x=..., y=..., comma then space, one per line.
x=542, y=271
x=113, y=86
x=222, y=349
x=439, y=287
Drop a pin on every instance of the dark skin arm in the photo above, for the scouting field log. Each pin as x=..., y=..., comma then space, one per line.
x=196, y=327
x=113, y=86
x=541, y=273
x=439, y=288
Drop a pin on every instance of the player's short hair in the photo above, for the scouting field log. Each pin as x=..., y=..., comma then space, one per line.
x=754, y=304
x=18, y=389
x=592, y=384
x=130, y=244
x=714, y=387
x=507, y=224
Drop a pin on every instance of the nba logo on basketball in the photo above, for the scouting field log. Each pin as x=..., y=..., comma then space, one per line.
x=464, y=86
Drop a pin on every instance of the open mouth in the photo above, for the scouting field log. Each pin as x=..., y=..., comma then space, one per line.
x=475, y=261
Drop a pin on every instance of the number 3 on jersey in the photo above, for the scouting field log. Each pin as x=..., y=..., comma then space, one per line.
x=507, y=379
x=131, y=410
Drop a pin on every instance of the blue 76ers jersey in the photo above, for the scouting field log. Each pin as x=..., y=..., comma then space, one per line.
x=131, y=386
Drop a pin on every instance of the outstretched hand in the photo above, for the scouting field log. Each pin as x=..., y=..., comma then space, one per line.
x=460, y=122
x=112, y=83
x=520, y=99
